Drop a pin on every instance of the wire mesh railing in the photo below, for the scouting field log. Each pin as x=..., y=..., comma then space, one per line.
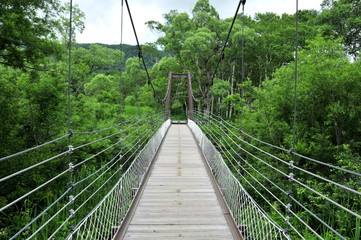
x=43, y=196
x=104, y=220
x=252, y=221
x=320, y=199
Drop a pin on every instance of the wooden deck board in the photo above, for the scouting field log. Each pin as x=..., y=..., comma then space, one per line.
x=178, y=200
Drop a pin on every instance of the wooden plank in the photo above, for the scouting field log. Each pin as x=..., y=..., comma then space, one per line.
x=178, y=200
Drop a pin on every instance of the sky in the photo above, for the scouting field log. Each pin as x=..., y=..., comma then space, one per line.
x=103, y=17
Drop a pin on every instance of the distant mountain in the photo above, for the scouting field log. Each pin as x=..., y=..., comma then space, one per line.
x=151, y=55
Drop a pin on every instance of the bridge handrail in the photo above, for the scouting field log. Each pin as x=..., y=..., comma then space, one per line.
x=33, y=148
x=228, y=156
x=132, y=133
x=120, y=196
x=236, y=197
x=222, y=121
x=221, y=133
x=284, y=162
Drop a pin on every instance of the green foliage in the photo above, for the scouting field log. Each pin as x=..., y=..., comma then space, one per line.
x=29, y=30
x=109, y=85
x=342, y=19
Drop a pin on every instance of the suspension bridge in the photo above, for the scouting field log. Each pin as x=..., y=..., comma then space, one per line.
x=152, y=178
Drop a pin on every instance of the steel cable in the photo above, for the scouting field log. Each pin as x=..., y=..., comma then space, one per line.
x=34, y=190
x=283, y=149
x=294, y=166
x=34, y=148
x=32, y=167
x=41, y=214
x=297, y=181
x=140, y=53
x=144, y=139
x=283, y=191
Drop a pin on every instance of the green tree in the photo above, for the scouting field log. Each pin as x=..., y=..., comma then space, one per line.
x=27, y=31
x=194, y=42
x=88, y=62
x=344, y=18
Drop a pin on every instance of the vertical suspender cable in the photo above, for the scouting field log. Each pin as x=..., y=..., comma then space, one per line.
x=70, y=165
x=242, y=63
x=120, y=88
x=294, y=141
x=69, y=61
x=122, y=59
x=295, y=83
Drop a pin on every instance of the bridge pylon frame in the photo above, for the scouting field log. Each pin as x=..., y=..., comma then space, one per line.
x=187, y=76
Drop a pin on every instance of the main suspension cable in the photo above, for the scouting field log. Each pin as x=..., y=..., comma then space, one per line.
x=243, y=2
x=140, y=53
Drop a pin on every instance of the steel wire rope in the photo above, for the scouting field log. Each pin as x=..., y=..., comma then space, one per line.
x=92, y=195
x=298, y=168
x=34, y=190
x=228, y=35
x=104, y=150
x=238, y=129
x=283, y=149
x=167, y=93
x=41, y=214
x=260, y=208
x=304, y=185
x=56, y=156
x=140, y=50
x=315, y=216
x=33, y=166
x=97, y=190
x=328, y=165
x=294, y=140
x=96, y=154
x=97, y=131
x=117, y=155
x=229, y=156
x=264, y=176
x=96, y=141
x=294, y=166
x=69, y=115
x=84, y=189
x=283, y=191
x=33, y=148
x=97, y=206
x=120, y=64
x=328, y=199
x=98, y=170
x=58, y=229
x=50, y=219
x=106, y=129
x=301, y=220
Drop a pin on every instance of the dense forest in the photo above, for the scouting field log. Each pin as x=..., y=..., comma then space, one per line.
x=109, y=84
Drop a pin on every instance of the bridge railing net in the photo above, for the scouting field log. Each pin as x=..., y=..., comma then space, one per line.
x=49, y=189
x=252, y=221
x=104, y=220
x=308, y=198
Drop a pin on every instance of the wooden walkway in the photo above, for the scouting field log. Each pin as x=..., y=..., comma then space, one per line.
x=179, y=199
